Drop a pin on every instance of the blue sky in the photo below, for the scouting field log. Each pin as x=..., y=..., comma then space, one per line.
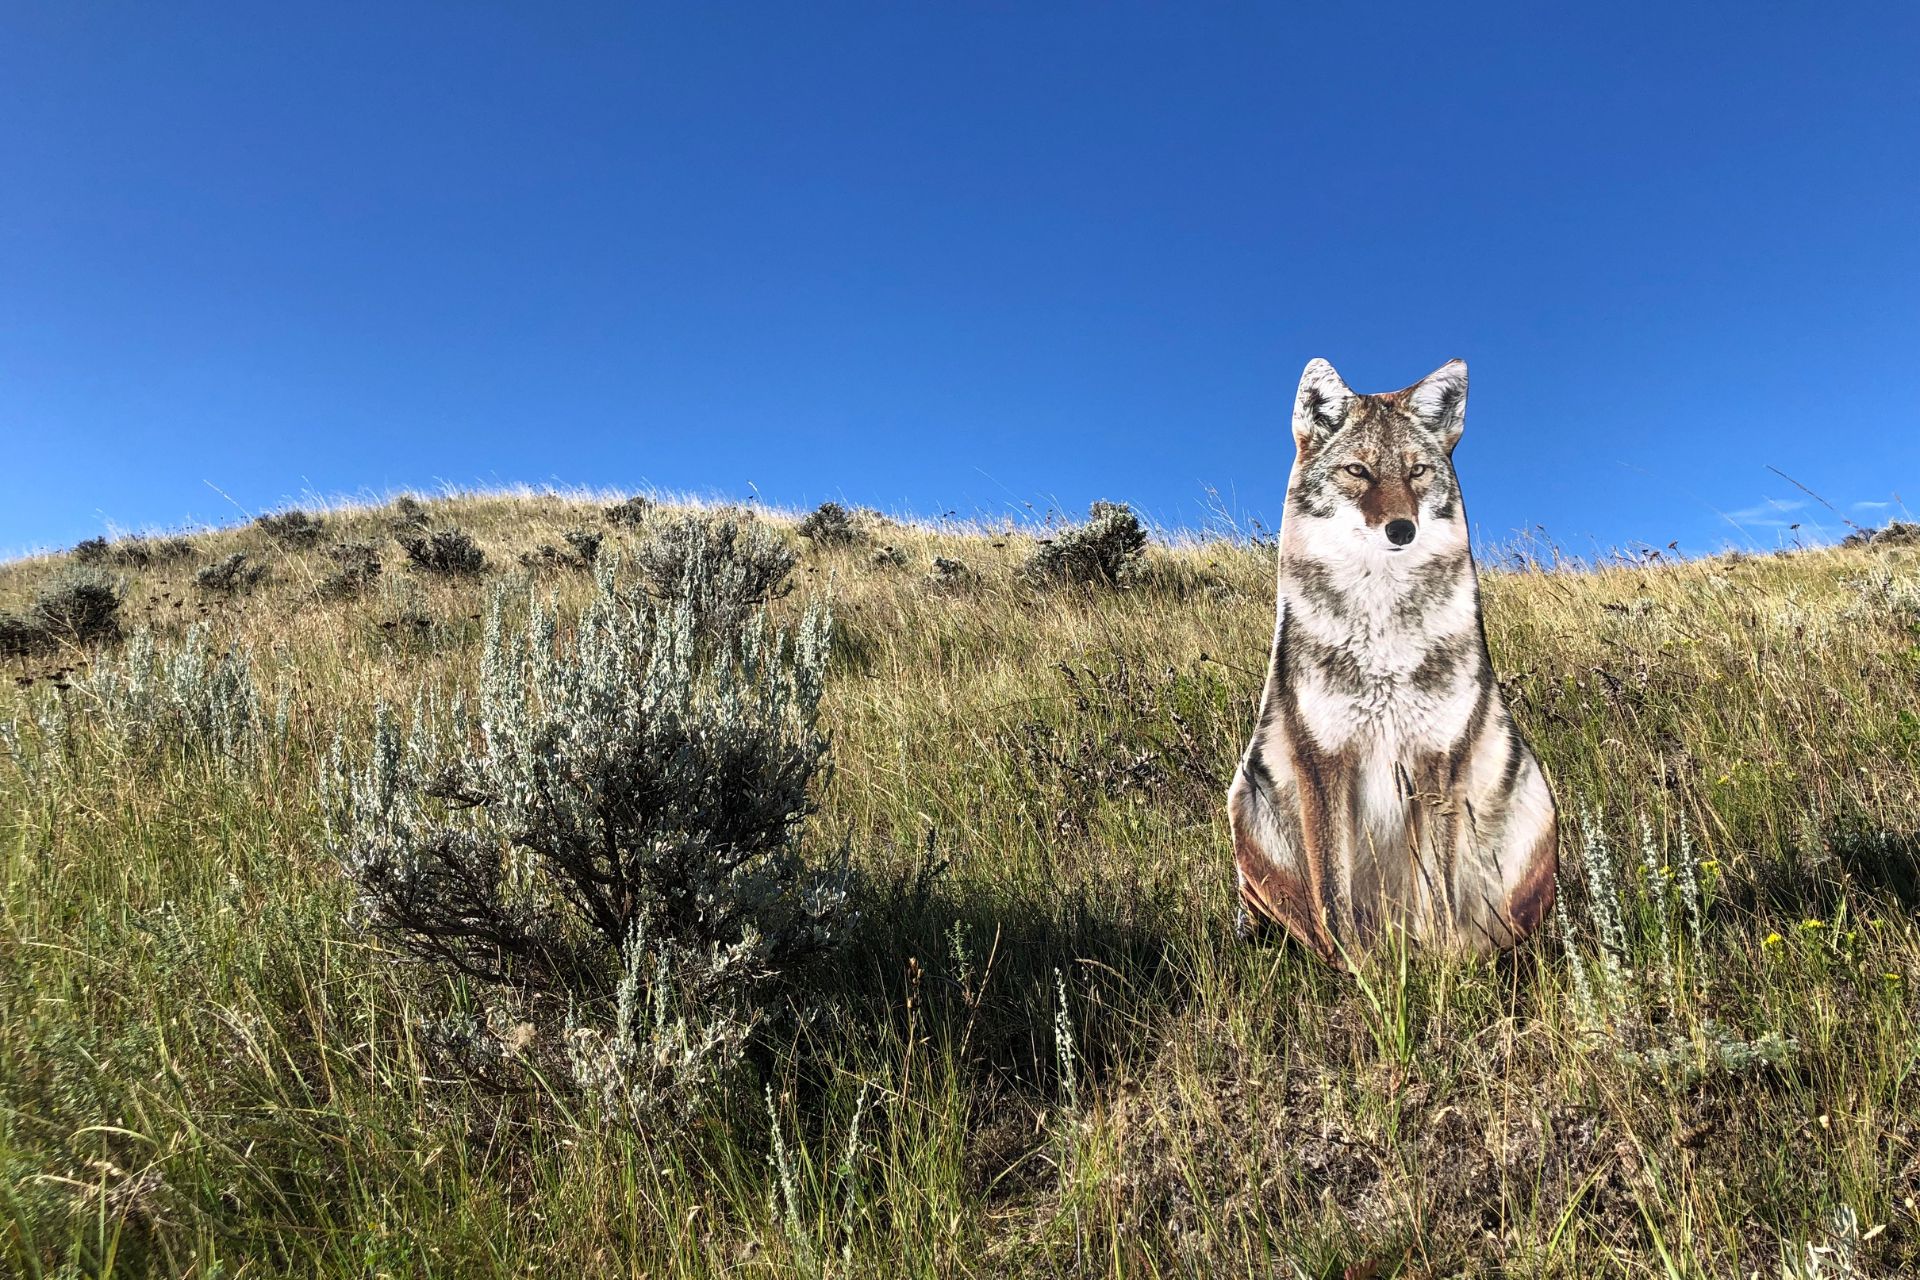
x=966, y=258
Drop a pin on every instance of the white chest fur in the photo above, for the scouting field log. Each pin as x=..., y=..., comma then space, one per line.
x=1376, y=677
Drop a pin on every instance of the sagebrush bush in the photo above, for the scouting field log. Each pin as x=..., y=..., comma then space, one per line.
x=1106, y=551
x=192, y=695
x=583, y=550
x=889, y=557
x=586, y=545
x=19, y=636
x=950, y=574
x=621, y=843
x=409, y=513
x=357, y=567
x=234, y=575
x=450, y=552
x=78, y=604
x=137, y=552
x=294, y=527
x=831, y=525
x=733, y=563
x=140, y=551
x=631, y=513
x=1895, y=533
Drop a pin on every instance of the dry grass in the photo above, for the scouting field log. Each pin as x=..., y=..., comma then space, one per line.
x=1046, y=1054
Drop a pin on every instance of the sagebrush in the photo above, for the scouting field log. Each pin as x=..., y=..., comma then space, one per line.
x=1103, y=552
x=619, y=828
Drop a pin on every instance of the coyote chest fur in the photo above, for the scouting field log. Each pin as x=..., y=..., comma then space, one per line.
x=1386, y=785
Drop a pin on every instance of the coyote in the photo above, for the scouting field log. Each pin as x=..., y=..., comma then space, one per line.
x=1386, y=785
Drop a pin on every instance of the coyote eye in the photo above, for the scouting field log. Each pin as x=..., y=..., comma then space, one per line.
x=1419, y=469
x=1355, y=469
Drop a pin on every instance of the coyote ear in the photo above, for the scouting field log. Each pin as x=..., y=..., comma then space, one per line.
x=1320, y=406
x=1439, y=400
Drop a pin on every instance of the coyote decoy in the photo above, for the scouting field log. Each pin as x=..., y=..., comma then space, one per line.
x=1386, y=785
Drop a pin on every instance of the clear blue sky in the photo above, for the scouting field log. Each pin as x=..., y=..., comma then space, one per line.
x=936, y=257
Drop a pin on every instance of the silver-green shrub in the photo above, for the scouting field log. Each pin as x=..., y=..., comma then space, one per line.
x=1106, y=551
x=633, y=512
x=357, y=569
x=731, y=564
x=449, y=552
x=951, y=575
x=191, y=695
x=831, y=525
x=294, y=526
x=617, y=842
x=137, y=552
x=1641, y=981
x=76, y=604
x=231, y=576
x=583, y=550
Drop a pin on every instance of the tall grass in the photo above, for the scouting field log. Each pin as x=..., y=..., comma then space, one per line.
x=1043, y=1053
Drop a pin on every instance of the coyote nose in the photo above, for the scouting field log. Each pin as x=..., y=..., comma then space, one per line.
x=1399, y=532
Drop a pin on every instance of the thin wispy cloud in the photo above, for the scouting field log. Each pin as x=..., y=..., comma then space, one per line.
x=1768, y=513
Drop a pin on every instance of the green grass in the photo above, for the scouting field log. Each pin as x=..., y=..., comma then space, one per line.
x=1043, y=1052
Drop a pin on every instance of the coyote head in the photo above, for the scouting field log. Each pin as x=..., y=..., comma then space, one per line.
x=1374, y=474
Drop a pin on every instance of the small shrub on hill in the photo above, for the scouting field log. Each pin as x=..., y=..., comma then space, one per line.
x=137, y=552
x=632, y=513
x=1639, y=991
x=356, y=568
x=586, y=545
x=231, y=576
x=76, y=605
x=732, y=565
x=1106, y=551
x=80, y=605
x=831, y=525
x=190, y=695
x=292, y=527
x=619, y=860
x=409, y=513
x=583, y=550
x=448, y=552
x=889, y=557
x=1896, y=533
x=19, y=636
x=949, y=574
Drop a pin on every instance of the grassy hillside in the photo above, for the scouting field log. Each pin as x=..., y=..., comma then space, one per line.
x=1044, y=1053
